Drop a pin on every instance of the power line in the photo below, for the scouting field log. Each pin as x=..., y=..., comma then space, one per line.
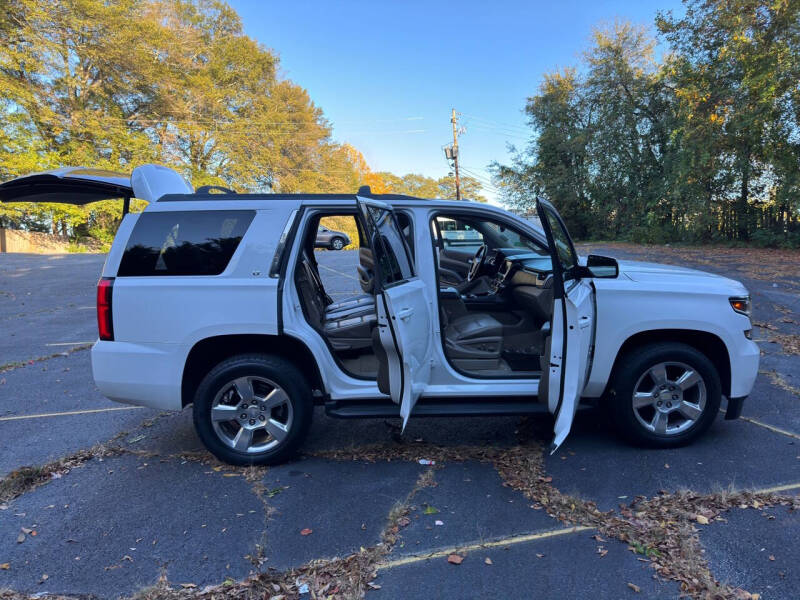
x=495, y=123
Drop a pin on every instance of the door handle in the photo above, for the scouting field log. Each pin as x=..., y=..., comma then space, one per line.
x=405, y=313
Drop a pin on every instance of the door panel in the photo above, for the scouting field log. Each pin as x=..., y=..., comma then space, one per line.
x=405, y=323
x=572, y=327
x=579, y=306
x=407, y=313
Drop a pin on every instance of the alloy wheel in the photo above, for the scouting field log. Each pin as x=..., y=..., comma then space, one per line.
x=251, y=414
x=669, y=398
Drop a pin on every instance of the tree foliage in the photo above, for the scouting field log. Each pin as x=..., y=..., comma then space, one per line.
x=118, y=83
x=701, y=145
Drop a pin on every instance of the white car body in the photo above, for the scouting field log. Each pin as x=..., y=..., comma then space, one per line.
x=159, y=320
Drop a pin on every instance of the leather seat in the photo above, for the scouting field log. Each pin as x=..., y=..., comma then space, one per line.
x=474, y=326
x=474, y=336
x=348, y=326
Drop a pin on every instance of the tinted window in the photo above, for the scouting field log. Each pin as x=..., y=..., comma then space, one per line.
x=390, y=248
x=184, y=243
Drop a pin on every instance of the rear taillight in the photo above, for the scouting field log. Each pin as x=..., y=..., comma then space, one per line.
x=105, y=322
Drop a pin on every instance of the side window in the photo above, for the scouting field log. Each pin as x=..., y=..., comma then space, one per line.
x=564, y=250
x=391, y=252
x=184, y=243
x=459, y=235
x=406, y=228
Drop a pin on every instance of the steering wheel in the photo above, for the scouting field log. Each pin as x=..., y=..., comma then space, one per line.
x=477, y=262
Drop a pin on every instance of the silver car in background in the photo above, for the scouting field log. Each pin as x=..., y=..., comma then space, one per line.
x=330, y=239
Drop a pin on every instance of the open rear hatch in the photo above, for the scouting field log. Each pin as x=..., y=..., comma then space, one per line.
x=82, y=185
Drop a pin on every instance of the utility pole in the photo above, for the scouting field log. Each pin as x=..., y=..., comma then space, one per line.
x=454, y=121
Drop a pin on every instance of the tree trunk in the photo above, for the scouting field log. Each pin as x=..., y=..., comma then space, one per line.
x=742, y=212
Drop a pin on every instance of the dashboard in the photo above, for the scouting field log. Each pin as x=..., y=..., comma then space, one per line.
x=520, y=270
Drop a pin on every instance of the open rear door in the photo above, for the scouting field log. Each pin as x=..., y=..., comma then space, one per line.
x=82, y=185
x=402, y=338
x=568, y=351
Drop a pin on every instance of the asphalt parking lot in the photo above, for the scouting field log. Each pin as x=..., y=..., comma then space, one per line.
x=148, y=509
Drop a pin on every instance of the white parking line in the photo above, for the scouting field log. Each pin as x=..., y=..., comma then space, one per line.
x=771, y=427
x=339, y=273
x=68, y=413
x=509, y=541
x=68, y=343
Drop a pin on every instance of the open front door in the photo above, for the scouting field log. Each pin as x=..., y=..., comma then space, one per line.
x=568, y=351
x=402, y=337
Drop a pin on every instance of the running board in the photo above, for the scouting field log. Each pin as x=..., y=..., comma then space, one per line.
x=440, y=407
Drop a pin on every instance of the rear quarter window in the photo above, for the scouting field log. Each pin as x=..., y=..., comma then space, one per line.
x=184, y=243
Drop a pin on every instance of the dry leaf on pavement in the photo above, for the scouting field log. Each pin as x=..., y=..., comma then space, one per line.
x=306, y=531
x=455, y=559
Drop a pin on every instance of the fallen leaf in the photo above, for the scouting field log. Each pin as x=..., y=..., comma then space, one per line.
x=5, y=566
x=373, y=586
x=306, y=531
x=487, y=560
x=44, y=578
x=701, y=519
x=455, y=559
x=430, y=510
x=634, y=587
x=598, y=538
x=771, y=557
x=437, y=522
x=403, y=522
x=20, y=538
x=601, y=551
x=666, y=466
x=188, y=586
x=538, y=555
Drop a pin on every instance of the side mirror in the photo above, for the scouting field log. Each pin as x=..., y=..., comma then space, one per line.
x=603, y=267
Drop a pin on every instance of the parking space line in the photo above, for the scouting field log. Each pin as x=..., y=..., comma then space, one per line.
x=779, y=488
x=68, y=343
x=339, y=273
x=68, y=413
x=509, y=541
x=771, y=427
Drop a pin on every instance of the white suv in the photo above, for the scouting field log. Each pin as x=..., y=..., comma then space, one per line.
x=216, y=300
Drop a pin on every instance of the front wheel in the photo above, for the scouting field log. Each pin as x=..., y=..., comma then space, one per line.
x=664, y=395
x=253, y=409
x=337, y=243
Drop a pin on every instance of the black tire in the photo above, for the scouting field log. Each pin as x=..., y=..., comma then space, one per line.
x=337, y=243
x=634, y=366
x=261, y=367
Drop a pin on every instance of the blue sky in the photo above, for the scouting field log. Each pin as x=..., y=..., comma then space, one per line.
x=387, y=74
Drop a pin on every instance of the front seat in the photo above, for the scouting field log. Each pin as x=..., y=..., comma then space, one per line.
x=474, y=341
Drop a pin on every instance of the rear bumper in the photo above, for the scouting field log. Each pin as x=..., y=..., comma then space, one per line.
x=145, y=375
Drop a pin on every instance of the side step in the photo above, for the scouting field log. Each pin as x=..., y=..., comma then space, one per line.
x=439, y=407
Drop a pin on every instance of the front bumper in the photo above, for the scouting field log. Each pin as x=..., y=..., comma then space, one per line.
x=745, y=357
x=734, y=410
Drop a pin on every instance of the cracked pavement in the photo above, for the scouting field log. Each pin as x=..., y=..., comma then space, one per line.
x=154, y=514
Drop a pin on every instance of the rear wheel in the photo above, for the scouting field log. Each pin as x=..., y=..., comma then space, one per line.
x=664, y=395
x=253, y=409
x=337, y=243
